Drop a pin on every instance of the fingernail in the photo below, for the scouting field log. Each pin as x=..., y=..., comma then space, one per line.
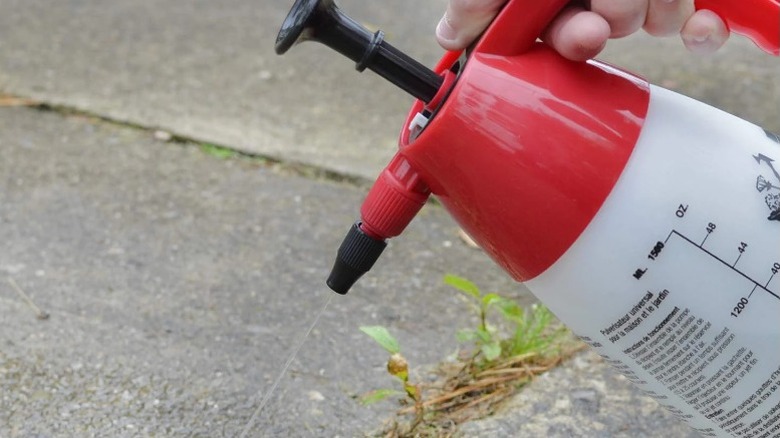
x=444, y=29
x=699, y=39
x=702, y=43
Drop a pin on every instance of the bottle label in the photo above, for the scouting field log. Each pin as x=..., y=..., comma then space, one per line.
x=676, y=281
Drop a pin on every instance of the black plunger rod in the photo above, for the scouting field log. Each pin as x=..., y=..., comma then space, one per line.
x=323, y=21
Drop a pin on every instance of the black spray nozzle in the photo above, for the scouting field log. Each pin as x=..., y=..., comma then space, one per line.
x=323, y=21
x=357, y=254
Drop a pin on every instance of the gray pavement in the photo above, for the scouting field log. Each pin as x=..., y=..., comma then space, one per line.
x=207, y=70
x=581, y=399
x=177, y=283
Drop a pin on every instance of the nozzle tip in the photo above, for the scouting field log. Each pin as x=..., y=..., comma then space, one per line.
x=356, y=255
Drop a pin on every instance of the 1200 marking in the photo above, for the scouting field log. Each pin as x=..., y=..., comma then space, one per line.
x=739, y=307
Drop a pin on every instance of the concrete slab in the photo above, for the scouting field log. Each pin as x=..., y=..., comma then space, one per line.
x=207, y=70
x=582, y=398
x=177, y=284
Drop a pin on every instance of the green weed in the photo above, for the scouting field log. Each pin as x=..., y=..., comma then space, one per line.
x=520, y=332
x=220, y=152
x=509, y=346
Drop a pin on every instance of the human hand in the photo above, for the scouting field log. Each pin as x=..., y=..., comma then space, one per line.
x=578, y=33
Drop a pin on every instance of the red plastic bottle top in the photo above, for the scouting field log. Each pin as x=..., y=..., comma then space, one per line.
x=527, y=148
x=393, y=201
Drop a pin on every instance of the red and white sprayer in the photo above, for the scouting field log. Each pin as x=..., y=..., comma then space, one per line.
x=646, y=221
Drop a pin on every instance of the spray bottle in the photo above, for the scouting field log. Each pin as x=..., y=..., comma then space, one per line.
x=648, y=222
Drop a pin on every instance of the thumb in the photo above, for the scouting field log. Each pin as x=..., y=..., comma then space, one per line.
x=464, y=20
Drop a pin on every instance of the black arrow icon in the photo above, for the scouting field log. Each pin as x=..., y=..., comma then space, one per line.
x=761, y=157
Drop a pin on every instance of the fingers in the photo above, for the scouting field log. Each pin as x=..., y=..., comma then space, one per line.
x=577, y=34
x=667, y=17
x=624, y=16
x=580, y=34
x=464, y=20
x=704, y=32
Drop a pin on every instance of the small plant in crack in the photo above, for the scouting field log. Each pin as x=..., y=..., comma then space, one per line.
x=509, y=346
x=519, y=332
x=215, y=151
x=398, y=367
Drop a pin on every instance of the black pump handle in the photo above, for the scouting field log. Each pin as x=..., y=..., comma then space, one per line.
x=323, y=21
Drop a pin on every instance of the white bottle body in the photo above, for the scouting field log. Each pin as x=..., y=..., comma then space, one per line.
x=676, y=280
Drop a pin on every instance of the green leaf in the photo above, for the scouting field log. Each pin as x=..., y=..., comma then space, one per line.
x=377, y=395
x=217, y=151
x=532, y=332
x=485, y=336
x=411, y=391
x=465, y=335
x=382, y=337
x=542, y=314
x=462, y=285
x=491, y=351
x=490, y=298
x=510, y=309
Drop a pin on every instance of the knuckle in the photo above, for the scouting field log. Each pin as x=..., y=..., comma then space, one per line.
x=624, y=17
x=475, y=7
